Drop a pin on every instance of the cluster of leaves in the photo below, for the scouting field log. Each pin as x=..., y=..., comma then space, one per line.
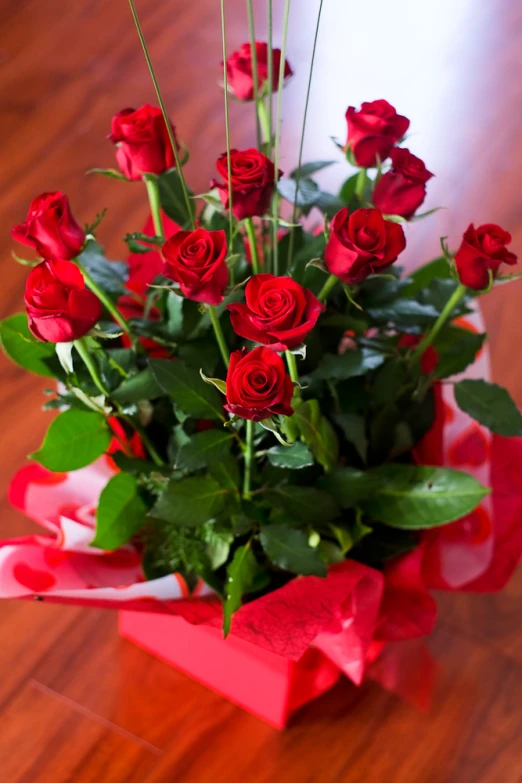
x=346, y=486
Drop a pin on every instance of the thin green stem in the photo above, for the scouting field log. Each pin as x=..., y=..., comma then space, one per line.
x=303, y=130
x=360, y=183
x=327, y=287
x=151, y=183
x=264, y=120
x=249, y=458
x=255, y=77
x=144, y=438
x=220, y=337
x=227, y=129
x=450, y=305
x=275, y=200
x=270, y=76
x=104, y=299
x=85, y=355
x=292, y=366
x=254, y=250
x=170, y=132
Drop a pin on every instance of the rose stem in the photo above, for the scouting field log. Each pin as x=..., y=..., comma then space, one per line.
x=254, y=251
x=360, y=183
x=301, y=145
x=275, y=200
x=104, y=299
x=172, y=140
x=249, y=456
x=220, y=337
x=85, y=355
x=327, y=287
x=227, y=135
x=264, y=120
x=450, y=305
x=292, y=371
x=270, y=77
x=151, y=183
x=255, y=82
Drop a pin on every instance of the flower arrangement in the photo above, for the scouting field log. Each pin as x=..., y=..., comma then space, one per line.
x=257, y=409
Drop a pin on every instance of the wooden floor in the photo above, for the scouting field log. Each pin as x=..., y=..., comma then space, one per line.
x=77, y=704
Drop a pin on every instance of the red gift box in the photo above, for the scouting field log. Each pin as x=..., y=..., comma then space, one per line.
x=265, y=684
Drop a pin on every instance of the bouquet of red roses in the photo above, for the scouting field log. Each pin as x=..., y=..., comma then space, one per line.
x=262, y=422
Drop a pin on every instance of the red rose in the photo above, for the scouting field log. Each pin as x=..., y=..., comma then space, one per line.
x=482, y=251
x=143, y=142
x=130, y=307
x=240, y=70
x=196, y=260
x=51, y=228
x=258, y=385
x=59, y=306
x=253, y=179
x=362, y=243
x=278, y=312
x=402, y=190
x=373, y=131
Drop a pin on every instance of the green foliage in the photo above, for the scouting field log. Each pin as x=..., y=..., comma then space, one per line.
x=173, y=200
x=109, y=275
x=190, y=502
x=203, y=449
x=491, y=405
x=288, y=548
x=317, y=432
x=24, y=349
x=296, y=456
x=74, y=439
x=121, y=512
x=347, y=365
x=188, y=389
x=415, y=497
x=240, y=578
x=304, y=504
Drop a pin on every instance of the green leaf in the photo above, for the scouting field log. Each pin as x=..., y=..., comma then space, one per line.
x=190, y=502
x=142, y=386
x=307, y=191
x=297, y=456
x=424, y=275
x=456, y=349
x=241, y=574
x=347, y=191
x=175, y=315
x=173, y=200
x=24, y=349
x=74, y=439
x=307, y=169
x=226, y=472
x=404, y=311
x=348, y=486
x=111, y=173
x=354, y=430
x=188, y=389
x=203, y=449
x=491, y=405
x=111, y=276
x=121, y=513
x=347, y=365
x=306, y=504
x=218, y=546
x=416, y=497
x=317, y=433
x=289, y=549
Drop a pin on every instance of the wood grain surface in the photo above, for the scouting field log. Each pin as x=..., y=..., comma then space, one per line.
x=79, y=705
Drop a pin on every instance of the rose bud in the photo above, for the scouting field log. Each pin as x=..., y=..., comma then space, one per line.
x=482, y=251
x=278, y=312
x=51, y=228
x=258, y=385
x=59, y=306
x=253, y=180
x=373, y=131
x=361, y=244
x=196, y=261
x=240, y=71
x=402, y=190
x=143, y=142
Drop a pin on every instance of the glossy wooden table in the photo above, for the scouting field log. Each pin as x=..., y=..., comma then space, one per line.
x=78, y=704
